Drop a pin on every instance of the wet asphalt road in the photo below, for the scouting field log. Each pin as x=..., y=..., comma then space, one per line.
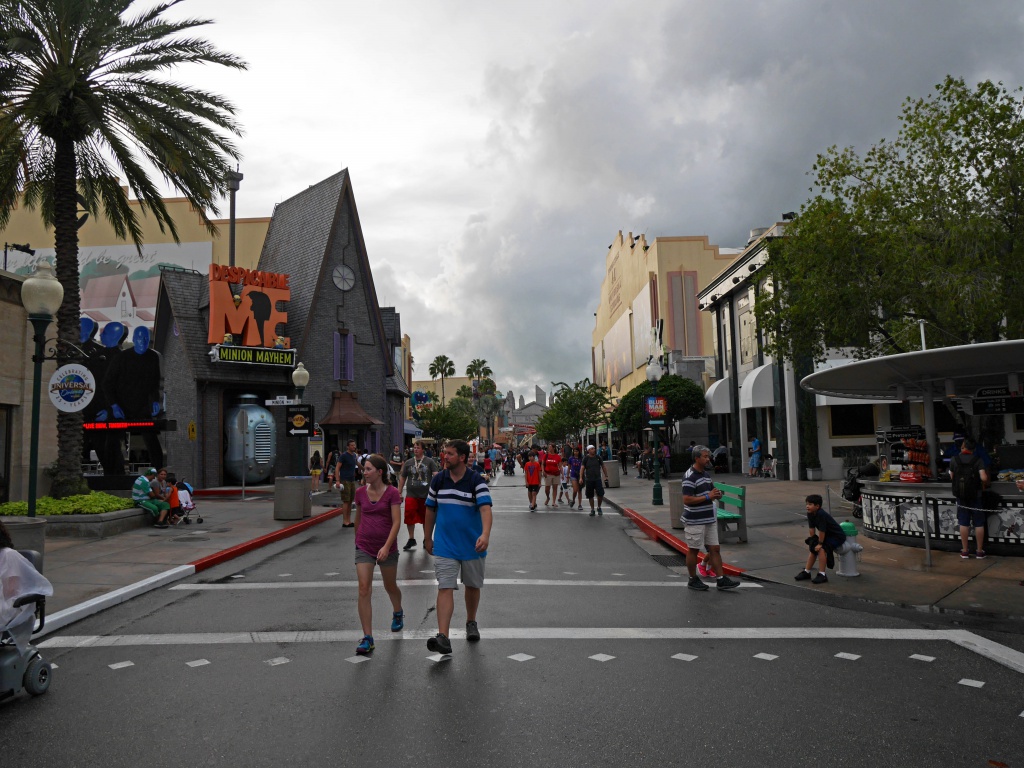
x=622, y=669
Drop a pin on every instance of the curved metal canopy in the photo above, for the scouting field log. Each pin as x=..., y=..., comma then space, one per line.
x=970, y=367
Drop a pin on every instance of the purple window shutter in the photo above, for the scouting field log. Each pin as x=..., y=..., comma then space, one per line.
x=337, y=356
x=350, y=353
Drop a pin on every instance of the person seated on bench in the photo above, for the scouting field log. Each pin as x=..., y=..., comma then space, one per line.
x=147, y=493
x=825, y=535
x=18, y=578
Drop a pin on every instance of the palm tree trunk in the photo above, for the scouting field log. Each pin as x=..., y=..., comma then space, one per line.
x=68, y=478
x=442, y=391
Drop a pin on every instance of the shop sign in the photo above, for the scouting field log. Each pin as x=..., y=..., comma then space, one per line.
x=251, y=318
x=299, y=420
x=284, y=358
x=72, y=388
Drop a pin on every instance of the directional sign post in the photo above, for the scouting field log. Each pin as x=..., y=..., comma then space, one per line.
x=281, y=400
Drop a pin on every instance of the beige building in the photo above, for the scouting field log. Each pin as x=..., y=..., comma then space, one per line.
x=16, y=347
x=646, y=282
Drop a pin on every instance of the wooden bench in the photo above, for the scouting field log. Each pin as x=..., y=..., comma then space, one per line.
x=732, y=512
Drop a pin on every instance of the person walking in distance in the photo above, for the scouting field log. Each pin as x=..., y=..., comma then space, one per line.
x=457, y=532
x=531, y=474
x=700, y=524
x=416, y=475
x=345, y=473
x=378, y=519
x=575, y=462
x=552, y=476
x=594, y=477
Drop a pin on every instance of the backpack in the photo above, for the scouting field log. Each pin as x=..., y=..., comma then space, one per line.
x=966, y=479
x=551, y=464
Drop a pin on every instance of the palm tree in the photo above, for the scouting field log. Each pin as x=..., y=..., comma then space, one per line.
x=478, y=369
x=83, y=104
x=443, y=367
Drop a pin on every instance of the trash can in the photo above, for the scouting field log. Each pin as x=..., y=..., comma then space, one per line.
x=675, y=504
x=612, y=468
x=848, y=552
x=292, y=497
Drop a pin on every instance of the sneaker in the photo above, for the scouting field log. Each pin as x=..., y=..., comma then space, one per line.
x=439, y=644
x=821, y=578
x=592, y=513
x=802, y=576
x=410, y=544
x=965, y=555
x=365, y=647
x=159, y=525
x=472, y=632
x=726, y=583
x=697, y=584
x=398, y=621
x=980, y=554
x=704, y=570
x=580, y=507
x=600, y=511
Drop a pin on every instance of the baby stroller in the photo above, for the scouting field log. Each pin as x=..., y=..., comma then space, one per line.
x=767, y=466
x=187, y=504
x=21, y=666
x=509, y=465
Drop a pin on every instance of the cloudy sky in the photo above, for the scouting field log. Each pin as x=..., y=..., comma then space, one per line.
x=496, y=148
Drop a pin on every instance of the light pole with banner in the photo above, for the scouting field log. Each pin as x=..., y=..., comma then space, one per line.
x=655, y=409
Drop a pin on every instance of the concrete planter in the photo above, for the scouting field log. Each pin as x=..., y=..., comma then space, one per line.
x=813, y=473
x=85, y=526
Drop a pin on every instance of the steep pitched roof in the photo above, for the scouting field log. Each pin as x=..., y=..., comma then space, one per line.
x=103, y=291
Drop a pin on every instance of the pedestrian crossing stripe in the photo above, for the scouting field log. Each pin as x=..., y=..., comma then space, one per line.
x=989, y=649
x=255, y=585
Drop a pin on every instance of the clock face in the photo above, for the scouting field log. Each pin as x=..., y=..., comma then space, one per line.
x=344, y=278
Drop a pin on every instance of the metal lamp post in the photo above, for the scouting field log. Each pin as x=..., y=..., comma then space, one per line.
x=41, y=295
x=300, y=378
x=654, y=374
x=234, y=179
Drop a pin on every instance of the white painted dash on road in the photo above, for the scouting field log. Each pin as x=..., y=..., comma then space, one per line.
x=921, y=657
x=972, y=683
x=602, y=657
x=847, y=656
x=765, y=656
x=197, y=663
x=521, y=657
x=122, y=665
x=685, y=657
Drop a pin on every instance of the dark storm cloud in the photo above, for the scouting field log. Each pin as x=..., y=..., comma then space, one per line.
x=707, y=124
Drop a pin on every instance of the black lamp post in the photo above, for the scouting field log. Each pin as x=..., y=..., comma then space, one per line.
x=41, y=295
x=234, y=179
x=654, y=374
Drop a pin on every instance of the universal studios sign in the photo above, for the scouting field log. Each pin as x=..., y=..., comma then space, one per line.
x=72, y=388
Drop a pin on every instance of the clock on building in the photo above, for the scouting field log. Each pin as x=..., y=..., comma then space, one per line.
x=344, y=278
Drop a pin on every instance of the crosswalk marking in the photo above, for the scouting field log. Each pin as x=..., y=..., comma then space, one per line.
x=122, y=664
x=197, y=663
x=920, y=657
x=278, y=661
x=602, y=657
x=357, y=659
x=847, y=656
x=684, y=657
x=765, y=656
x=521, y=657
x=989, y=649
x=972, y=683
x=259, y=585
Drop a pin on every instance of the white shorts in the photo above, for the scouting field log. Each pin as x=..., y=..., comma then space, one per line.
x=699, y=536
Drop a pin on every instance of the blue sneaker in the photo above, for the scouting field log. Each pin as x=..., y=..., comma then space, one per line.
x=365, y=647
x=398, y=621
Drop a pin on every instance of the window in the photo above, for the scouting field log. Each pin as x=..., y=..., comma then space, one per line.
x=748, y=337
x=852, y=420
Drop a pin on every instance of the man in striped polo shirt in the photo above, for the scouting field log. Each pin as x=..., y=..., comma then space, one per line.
x=456, y=532
x=700, y=525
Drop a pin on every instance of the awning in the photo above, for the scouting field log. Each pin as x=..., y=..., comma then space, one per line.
x=411, y=428
x=758, y=389
x=345, y=411
x=717, y=397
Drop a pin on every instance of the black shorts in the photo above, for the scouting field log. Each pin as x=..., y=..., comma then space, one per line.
x=533, y=488
x=595, y=486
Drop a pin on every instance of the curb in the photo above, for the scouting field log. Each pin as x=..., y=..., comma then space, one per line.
x=63, y=618
x=658, y=533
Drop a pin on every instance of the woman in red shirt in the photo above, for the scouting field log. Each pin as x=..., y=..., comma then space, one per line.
x=378, y=518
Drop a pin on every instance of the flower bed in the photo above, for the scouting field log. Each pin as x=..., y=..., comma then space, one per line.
x=85, y=504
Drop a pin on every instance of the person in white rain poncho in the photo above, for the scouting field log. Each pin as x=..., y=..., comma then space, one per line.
x=18, y=577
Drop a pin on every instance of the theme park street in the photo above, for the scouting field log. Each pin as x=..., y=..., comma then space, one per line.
x=593, y=653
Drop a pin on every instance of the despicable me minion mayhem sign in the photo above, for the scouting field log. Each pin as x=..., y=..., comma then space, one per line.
x=243, y=325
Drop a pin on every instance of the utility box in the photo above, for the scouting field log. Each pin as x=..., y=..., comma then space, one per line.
x=612, y=468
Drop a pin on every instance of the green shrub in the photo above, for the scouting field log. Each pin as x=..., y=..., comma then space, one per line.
x=85, y=504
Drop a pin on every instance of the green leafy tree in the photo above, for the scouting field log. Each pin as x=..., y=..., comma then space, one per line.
x=573, y=409
x=83, y=105
x=448, y=422
x=441, y=366
x=929, y=226
x=685, y=400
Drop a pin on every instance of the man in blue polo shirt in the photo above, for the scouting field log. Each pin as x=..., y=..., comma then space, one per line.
x=700, y=524
x=456, y=532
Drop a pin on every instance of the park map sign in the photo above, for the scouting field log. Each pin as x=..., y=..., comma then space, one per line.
x=243, y=326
